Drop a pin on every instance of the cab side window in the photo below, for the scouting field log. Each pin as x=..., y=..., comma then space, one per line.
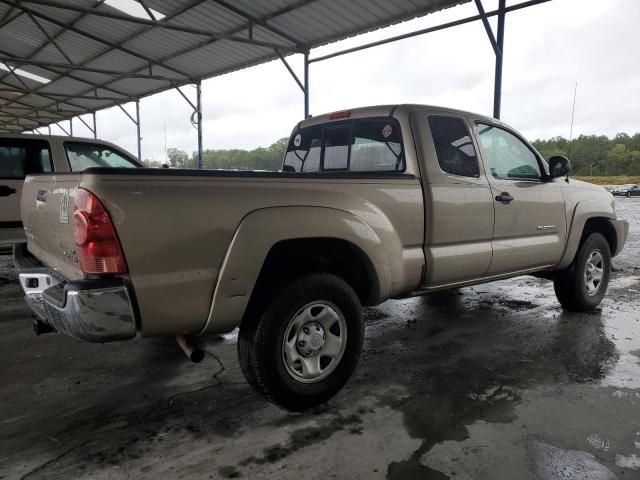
x=83, y=155
x=508, y=156
x=20, y=157
x=454, y=149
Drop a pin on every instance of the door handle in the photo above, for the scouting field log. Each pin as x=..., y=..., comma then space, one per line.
x=504, y=198
x=6, y=191
x=42, y=196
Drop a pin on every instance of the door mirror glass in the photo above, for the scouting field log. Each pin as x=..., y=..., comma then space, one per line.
x=559, y=166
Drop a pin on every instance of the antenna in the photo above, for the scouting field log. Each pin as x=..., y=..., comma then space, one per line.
x=573, y=113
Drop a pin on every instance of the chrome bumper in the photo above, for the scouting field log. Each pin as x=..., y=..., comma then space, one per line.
x=90, y=310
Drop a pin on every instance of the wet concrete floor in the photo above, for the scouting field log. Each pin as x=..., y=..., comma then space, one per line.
x=489, y=382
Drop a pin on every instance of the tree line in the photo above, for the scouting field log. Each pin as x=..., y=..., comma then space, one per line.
x=591, y=155
x=261, y=158
x=596, y=155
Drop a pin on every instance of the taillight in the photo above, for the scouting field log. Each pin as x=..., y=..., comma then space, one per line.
x=98, y=247
x=340, y=114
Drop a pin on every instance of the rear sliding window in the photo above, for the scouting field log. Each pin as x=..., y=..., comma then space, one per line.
x=20, y=157
x=359, y=145
x=86, y=155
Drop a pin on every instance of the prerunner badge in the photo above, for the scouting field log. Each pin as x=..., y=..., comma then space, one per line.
x=387, y=130
x=297, y=140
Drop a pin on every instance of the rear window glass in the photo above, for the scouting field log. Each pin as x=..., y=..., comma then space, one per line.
x=19, y=158
x=454, y=148
x=86, y=155
x=367, y=145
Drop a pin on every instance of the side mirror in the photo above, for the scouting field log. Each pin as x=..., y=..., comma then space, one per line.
x=559, y=166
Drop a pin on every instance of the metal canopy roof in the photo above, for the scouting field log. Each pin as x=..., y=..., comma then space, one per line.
x=60, y=59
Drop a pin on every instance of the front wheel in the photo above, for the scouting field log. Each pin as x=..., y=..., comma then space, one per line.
x=306, y=344
x=583, y=285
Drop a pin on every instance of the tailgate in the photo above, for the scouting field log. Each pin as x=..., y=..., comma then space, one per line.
x=47, y=214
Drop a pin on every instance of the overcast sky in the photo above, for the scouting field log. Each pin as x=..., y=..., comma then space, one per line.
x=548, y=48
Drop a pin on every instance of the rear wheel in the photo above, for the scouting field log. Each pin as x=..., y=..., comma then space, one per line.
x=306, y=344
x=583, y=285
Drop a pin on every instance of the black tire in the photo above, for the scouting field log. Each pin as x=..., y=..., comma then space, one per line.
x=571, y=286
x=260, y=342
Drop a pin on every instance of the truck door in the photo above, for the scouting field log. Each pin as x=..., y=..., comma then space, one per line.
x=18, y=157
x=458, y=202
x=530, y=224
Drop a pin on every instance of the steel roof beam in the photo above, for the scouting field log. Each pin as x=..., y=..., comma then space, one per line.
x=259, y=21
x=53, y=65
x=103, y=86
x=52, y=40
x=161, y=24
x=424, y=31
x=191, y=47
x=52, y=96
x=95, y=38
x=148, y=10
x=293, y=74
x=55, y=37
x=487, y=27
x=7, y=19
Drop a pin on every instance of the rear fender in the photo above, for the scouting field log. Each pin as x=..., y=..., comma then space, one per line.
x=262, y=229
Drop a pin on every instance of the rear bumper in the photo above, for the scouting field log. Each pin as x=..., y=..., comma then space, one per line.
x=90, y=310
x=622, y=232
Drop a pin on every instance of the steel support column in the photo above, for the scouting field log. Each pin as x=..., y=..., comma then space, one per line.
x=306, y=85
x=138, y=130
x=71, y=127
x=95, y=129
x=199, y=120
x=136, y=122
x=196, y=117
x=497, y=89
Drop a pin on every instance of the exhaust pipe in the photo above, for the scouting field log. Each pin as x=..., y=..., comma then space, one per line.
x=40, y=328
x=193, y=353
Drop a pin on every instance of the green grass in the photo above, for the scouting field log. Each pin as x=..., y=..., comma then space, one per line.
x=612, y=180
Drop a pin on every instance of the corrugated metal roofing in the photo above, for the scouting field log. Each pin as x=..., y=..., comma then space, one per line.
x=96, y=56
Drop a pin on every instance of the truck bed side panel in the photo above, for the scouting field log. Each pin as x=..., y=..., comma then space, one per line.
x=175, y=230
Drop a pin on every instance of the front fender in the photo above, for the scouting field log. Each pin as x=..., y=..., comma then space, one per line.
x=262, y=229
x=584, y=210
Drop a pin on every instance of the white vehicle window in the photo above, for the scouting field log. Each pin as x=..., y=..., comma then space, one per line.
x=19, y=158
x=508, y=156
x=86, y=155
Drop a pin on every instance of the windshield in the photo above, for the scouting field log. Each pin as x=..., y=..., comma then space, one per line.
x=86, y=155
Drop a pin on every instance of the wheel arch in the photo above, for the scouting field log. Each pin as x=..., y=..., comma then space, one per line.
x=272, y=245
x=590, y=216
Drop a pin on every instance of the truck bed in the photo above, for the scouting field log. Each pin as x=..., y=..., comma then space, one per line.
x=176, y=226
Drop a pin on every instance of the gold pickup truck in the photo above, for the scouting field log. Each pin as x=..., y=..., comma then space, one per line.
x=370, y=204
